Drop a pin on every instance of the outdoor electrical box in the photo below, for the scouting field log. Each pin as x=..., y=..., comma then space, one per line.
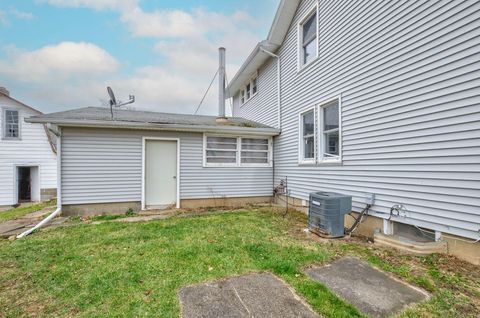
x=326, y=213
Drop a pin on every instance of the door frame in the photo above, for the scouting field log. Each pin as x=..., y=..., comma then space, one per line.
x=35, y=193
x=144, y=140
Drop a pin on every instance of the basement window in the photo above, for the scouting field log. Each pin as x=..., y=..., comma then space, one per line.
x=228, y=151
x=11, y=124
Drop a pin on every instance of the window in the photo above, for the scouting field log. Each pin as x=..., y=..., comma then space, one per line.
x=330, y=113
x=309, y=44
x=221, y=150
x=255, y=151
x=249, y=90
x=237, y=151
x=307, y=149
x=328, y=130
x=11, y=124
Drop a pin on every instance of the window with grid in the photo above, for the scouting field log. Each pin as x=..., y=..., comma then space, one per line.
x=221, y=150
x=255, y=151
x=308, y=136
x=331, y=130
x=11, y=124
x=309, y=39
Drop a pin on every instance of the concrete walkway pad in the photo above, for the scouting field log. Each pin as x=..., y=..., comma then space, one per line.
x=370, y=290
x=255, y=295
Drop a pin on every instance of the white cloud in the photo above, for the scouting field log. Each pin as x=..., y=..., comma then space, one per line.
x=3, y=18
x=95, y=4
x=22, y=14
x=63, y=61
x=188, y=41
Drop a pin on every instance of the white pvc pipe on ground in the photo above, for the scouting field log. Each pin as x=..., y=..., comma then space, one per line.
x=41, y=224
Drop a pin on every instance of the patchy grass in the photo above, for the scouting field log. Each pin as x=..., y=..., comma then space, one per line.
x=111, y=217
x=137, y=269
x=16, y=213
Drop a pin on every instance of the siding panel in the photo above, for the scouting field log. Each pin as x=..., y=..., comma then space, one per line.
x=104, y=165
x=409, y=76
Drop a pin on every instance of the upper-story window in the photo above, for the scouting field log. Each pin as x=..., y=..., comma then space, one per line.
x=11, y=124
x=249, y=90
x=308, y=39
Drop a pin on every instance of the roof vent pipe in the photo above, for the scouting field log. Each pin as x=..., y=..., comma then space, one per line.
x=221, y=83
x=4, y=91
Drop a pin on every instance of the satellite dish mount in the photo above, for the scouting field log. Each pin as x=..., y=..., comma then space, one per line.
x=113, y=100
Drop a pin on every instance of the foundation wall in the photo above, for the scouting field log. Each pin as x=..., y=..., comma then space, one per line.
x=48, y=194
x=223, y=202
x=463, y=248
x=99, y=208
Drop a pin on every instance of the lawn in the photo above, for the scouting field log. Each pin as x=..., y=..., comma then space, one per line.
x=16, y=213
x=136, y=269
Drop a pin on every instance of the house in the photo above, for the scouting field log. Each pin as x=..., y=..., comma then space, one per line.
x=150, y=160
x=28, y=168
x=375, y=97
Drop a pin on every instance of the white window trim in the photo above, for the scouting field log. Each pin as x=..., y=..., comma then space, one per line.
x=301, y=152
x=239, y=152
x=318, y=136
x=244, y=88
x=321, y=158
x=4, y=124
x=310, y=12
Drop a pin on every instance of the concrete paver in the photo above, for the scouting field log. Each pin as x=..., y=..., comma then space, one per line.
x=370, y=290
x=255, y=295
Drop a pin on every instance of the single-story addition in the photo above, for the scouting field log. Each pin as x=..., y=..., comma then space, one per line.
x=150, y=160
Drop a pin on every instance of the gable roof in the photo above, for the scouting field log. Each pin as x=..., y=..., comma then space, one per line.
x=283, y=18
x=132, y=119
x=52, y=139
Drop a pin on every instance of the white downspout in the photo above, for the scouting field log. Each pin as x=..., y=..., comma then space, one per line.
x=279, y=96
x=59, y=190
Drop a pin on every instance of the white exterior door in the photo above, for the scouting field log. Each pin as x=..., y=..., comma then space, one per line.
x=160, y=173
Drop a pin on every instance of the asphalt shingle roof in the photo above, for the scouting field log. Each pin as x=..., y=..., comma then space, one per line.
x=102, y=114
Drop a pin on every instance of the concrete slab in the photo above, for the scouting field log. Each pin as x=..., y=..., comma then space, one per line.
x=372, y=291
x=255, y=295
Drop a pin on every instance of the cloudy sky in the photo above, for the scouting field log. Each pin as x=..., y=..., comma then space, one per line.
x=61, y=54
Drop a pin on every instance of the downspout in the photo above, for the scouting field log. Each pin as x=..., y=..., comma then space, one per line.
x=59, y=189
x=279, y=96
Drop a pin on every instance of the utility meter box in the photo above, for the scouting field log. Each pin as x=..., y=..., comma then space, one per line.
x=326, y=213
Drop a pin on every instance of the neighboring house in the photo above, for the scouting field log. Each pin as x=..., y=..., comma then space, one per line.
x=28, y=168
x=375, y=97
x=155, y=160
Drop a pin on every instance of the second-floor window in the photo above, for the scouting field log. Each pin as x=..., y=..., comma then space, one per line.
x=308, y=40
x=11, y=124
x=249, y=90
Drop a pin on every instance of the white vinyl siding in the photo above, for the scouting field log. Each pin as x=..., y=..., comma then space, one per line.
x=105, y=165
x=33, y=149
x=408, y=73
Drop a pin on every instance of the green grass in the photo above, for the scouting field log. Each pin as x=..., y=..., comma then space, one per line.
x=16, y=213
x=136, y=269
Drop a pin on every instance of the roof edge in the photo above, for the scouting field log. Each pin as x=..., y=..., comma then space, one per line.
x=281, y=23
x=161, y=127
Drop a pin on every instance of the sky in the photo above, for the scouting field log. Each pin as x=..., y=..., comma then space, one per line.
x=62, y=54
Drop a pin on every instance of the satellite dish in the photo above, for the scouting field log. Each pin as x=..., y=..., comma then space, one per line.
x=113, y=101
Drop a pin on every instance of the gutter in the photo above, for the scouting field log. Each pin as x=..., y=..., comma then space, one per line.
x=262, y=131
x=59, y=193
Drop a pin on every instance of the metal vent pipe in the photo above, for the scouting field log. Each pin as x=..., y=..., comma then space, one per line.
x=221, y=83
